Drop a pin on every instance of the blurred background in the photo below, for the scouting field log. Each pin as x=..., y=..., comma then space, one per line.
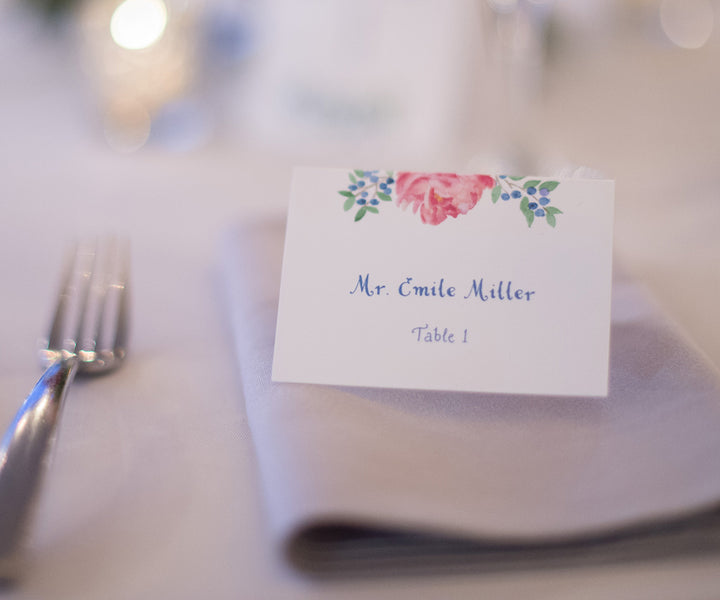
x=339, y=80
x=213, y=101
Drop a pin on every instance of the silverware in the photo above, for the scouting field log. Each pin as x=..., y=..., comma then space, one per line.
x=88, y=335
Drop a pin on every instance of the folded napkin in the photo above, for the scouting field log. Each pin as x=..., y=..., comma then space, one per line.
x=360, y=480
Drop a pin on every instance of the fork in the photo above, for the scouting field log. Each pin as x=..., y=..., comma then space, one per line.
x=88, y=335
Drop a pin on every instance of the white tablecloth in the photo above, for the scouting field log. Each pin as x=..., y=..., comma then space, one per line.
x=153, y=491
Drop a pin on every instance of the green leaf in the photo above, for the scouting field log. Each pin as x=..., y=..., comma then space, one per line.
x=531, y=183
x=550, y=218
x=549, y=185
x=383, y=196
x=359, y=172
x=529, y=215
x=352, y=178
x=361, y=213
x=349, y=203
x=372, y=209
x=496, y=193
x=553, y=210
x=346, y=193
x=516, y=177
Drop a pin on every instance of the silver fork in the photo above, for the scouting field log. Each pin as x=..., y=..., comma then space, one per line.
x=88, y=335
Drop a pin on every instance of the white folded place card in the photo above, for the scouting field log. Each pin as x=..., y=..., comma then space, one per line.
x=441, y=281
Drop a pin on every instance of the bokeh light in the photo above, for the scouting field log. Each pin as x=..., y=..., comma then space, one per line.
x=687, y=23
x=138, y=24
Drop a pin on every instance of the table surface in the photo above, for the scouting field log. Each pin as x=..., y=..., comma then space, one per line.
x=153, y=491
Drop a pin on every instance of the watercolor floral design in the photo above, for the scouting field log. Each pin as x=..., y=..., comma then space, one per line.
x=366, y=190
x=533, y=194
x=437, y=196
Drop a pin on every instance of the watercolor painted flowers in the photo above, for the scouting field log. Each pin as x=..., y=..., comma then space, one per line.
x=366, y=190
x=437, y=196
x=533, y=194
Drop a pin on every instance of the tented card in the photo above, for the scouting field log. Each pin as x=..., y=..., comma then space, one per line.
x=441, y=281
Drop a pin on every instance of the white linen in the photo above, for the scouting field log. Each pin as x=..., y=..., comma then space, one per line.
x=366, y=478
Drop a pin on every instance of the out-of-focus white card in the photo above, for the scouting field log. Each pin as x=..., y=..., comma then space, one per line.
x=441, y=281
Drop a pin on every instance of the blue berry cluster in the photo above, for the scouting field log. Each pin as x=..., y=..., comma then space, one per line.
x=534, y=195
x=366, y=190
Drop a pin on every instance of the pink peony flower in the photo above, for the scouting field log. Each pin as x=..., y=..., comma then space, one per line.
x=440, y=195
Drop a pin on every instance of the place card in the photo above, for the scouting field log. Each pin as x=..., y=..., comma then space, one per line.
x=442, y=281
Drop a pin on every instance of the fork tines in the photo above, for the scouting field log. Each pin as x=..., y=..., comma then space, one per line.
x=90, y=320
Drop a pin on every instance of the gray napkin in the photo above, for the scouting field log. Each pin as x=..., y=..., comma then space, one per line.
x=359, y=479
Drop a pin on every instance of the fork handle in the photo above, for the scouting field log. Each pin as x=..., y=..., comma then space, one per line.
x=24, y=456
